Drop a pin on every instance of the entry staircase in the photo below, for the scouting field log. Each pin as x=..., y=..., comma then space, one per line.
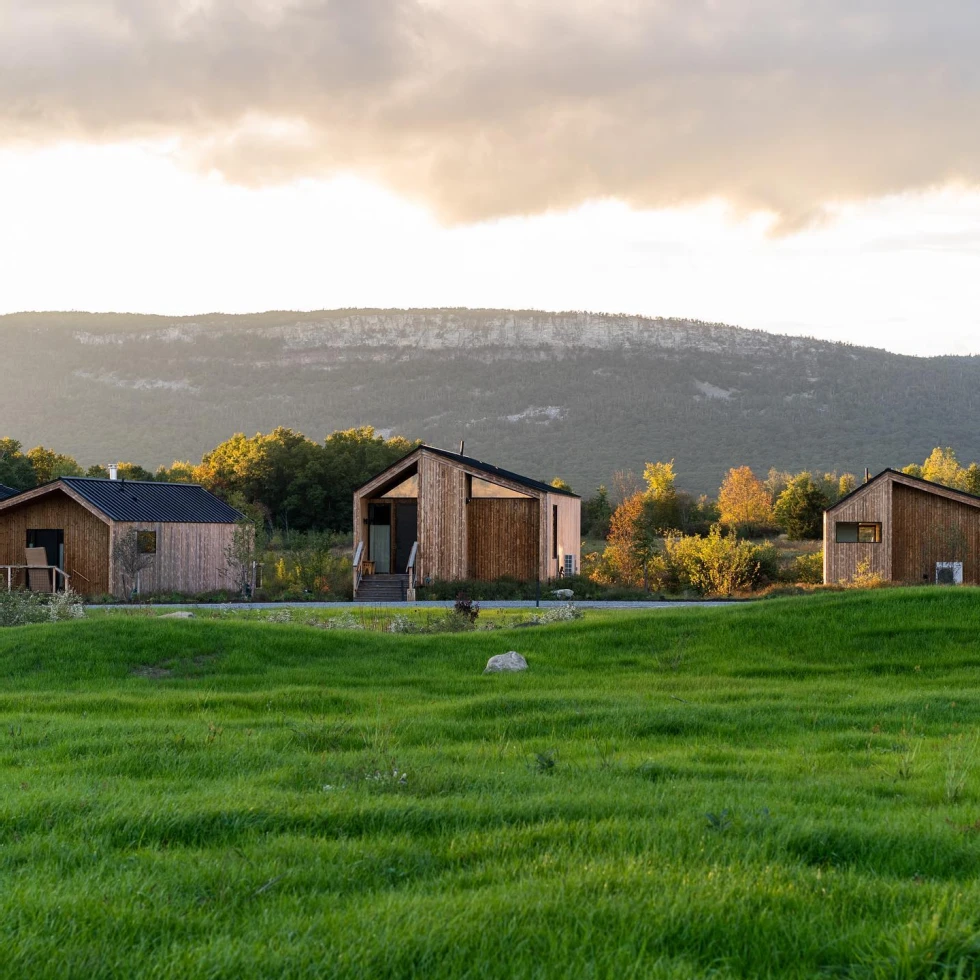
x=382, y=588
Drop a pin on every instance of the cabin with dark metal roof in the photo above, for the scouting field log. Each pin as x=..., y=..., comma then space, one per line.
x=182, y=531
x=438, y=515
x=903, y=529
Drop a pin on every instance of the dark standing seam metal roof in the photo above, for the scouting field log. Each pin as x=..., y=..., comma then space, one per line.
x=6, y=492
x=477, y=464
x=164, y=503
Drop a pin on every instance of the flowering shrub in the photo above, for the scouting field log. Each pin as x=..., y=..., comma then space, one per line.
x=66, y=605
x=564, y=613
x=23, y=608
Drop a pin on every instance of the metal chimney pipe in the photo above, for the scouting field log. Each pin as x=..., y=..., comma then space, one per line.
x=113, y=471
x=867, y=475
x=462, y=446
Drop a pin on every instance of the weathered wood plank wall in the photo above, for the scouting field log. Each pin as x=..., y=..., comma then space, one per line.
x=444, y=517
x=871, y=504
x=929, y=528
x=503, y=538
x=190, y=557
x=86, y=538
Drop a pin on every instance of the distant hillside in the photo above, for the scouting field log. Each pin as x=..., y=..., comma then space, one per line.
x=572, y=394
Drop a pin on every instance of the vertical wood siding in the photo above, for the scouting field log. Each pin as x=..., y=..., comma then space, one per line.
x=871, y=504
x=929, y=528
x=86, y=539
x=503, y=538
x=444, y=520
x=569, y=531
x=190, y=557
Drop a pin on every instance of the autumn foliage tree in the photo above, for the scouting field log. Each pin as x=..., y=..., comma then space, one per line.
x=744, y=500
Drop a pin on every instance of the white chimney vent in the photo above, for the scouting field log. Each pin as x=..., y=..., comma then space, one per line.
x=113, y=471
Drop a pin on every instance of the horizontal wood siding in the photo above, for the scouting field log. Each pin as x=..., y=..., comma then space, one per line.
x=86, y=538
x=190, y=558
x=929, y=528
x=871, y=504
x=503, y=538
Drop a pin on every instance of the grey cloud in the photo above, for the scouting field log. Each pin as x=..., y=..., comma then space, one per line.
x=483, y=109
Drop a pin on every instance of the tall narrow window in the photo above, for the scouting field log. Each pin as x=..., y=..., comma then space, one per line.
x=554, y=531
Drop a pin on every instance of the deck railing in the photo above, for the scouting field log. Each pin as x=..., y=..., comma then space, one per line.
x=358, y=571
x=55, y=572
x=411, y=566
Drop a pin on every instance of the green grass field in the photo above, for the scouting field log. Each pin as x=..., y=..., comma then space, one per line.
x=785, y=789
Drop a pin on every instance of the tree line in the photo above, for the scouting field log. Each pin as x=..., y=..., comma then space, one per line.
x=282, y=480
x=287, y=481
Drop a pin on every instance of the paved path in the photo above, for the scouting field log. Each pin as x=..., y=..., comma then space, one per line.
x=447, y=604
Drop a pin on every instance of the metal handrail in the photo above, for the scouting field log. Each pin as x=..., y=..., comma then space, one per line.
x=47, y=568
x=358, y=555
x=411, y=565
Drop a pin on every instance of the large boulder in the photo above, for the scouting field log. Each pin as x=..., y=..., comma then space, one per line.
x=511, y=660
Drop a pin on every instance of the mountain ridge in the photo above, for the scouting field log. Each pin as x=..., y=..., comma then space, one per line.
x=572, y=394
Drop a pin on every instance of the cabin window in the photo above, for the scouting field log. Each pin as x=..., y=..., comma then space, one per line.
x=146, y=542
x=858, y=533
x=554, y=531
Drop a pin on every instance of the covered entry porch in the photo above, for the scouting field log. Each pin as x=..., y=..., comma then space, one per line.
x=436, y=515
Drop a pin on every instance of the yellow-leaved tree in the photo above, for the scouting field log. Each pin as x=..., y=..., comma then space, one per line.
x=744, y=500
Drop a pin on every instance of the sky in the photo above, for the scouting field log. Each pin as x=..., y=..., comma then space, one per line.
x=800, y=166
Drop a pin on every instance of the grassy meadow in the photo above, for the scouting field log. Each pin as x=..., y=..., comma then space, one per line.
x=783, y=789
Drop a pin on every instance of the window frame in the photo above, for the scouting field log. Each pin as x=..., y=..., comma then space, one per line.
x=142, y=536
x=859, y=526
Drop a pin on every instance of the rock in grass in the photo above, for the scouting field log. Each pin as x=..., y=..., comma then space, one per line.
x=178, y=615
x=564, y=594
x=505, y=661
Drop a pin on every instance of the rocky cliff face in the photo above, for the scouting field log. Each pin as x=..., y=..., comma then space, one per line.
x=460, y=330
x=577, y=395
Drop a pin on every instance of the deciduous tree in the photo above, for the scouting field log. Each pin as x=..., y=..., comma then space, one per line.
x=744, y=500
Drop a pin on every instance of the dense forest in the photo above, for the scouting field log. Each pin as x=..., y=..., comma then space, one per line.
x=572, y=394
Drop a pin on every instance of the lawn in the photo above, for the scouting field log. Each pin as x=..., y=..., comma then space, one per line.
x=789, y=788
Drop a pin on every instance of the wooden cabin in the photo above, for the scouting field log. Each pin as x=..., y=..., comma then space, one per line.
x=904, y=529
x=438, y=515
x=182, y=530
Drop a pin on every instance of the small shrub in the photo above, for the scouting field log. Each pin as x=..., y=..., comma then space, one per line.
x=719, y=564
x=465, y=606
x=403, y=624
x=66, y=605
x=564, y=613
x=808, y=569
x=864, y=578
x=280, y=616
x=23, y=608
x=345, y=621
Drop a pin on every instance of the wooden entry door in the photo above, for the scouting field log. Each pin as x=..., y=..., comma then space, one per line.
x=502, y=538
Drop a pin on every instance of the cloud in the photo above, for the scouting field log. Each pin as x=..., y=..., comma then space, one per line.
x=486, y=108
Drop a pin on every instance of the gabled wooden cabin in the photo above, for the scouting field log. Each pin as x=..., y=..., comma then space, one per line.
x=438, y=515
x=904, y=529
x=77, y=521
